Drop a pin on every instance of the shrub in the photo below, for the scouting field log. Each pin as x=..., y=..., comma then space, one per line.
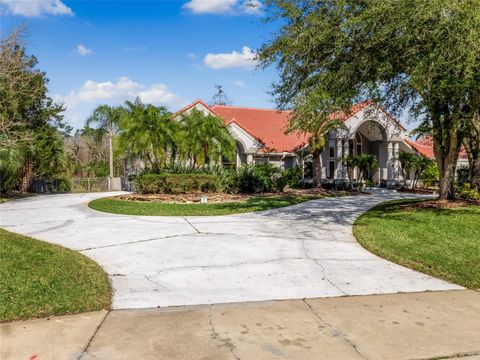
x=260, y=178
x=430, y=176
x=293, y=177
x=463, y=176
x=166, y=183
x=467, y=193
x=60, y=185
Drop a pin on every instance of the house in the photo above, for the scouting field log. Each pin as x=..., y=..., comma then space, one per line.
x=260, y=137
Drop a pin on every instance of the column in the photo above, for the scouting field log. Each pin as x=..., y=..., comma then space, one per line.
x=346, y=152
x=389, y=163
x=249, y=158
x=339, y=172
x=238, y=160
x=396, y=152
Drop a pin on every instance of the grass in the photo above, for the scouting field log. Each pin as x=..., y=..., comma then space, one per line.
x=38, y=279
x=444, y=243
x=158, y=208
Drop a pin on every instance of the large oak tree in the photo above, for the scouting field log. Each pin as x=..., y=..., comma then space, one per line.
x=423, y=55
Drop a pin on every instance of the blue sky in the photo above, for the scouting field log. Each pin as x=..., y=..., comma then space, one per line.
x=167, y=52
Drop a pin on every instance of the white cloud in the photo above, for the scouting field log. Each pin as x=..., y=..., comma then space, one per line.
x=232, y=7
x=192, y=56
x=210, y=6
x=79, y=103
x=253, y=7
x=244, y=60
x=34, y=8
x=82, y=50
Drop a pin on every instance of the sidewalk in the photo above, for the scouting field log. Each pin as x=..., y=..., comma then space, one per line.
x=430, y=325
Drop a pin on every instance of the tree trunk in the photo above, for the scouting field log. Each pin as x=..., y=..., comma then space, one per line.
x=317, y=171
x=446, y=148
x=475, y=173
x=447, y=168
x=26, y=176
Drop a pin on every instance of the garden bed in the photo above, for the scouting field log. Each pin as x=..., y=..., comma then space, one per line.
x=189, y=204
x=214, y=198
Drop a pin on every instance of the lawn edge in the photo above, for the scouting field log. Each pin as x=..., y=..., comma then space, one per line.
x=110, y=288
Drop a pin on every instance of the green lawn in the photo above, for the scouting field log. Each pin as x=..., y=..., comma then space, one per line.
x=441, y=242
x=39, y=279
x=158, y=208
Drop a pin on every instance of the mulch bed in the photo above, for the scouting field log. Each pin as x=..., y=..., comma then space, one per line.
x=416, y=191
x=439, y=204
x=191, y=198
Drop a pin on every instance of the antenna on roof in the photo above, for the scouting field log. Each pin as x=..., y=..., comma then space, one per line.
x=220, y=98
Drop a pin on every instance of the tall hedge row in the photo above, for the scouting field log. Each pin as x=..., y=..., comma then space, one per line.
x=176, y=183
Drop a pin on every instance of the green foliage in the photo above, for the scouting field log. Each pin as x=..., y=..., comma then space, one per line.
x=204, y=139
x=149, y=133
x=418, y=164
x=11, y=160
x=176, y=183
x=60, y=185
x=293, y=177
x=366, y=164
x=463, y=176
x=468, y=193
x=260, y=179
x=419, y=54
x=30, y=140
x=430, y=176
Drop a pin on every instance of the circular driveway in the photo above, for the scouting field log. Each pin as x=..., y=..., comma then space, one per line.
x=304, y=250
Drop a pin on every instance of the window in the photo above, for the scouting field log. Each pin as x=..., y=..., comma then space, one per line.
x=331, y=152
x=261, y=160
x=331, y=169
x=350, y=147
x=331, y=148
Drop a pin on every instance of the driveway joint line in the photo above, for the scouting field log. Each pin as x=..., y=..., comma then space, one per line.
x=134, y=242
x=452, y=356
x=230, y=265
x=307, y=255
x=158, y=284
x=335, y=331
x=85, y=350
x=216, y=336
x=189, y=223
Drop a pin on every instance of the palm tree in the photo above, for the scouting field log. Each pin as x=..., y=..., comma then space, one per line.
x=407, y=164
x=205, y=139
x=107, y=119
x=316, y=126
x=149, y=132
x=366, y=163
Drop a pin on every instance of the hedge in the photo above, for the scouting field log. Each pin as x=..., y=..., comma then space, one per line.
x=176, y=183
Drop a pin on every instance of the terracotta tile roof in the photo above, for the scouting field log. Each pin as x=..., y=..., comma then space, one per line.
x=424, y=146
x=189, y=106
x=267, y=126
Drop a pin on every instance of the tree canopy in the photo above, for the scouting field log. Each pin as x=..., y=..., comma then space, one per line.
x=30, y=122
x=421, y=55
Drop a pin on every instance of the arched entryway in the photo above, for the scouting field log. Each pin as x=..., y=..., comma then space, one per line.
x=371, y=138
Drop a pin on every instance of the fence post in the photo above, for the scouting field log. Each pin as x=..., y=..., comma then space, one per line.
x=88, y=184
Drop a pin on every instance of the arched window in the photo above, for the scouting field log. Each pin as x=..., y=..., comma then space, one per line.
x=358, y=143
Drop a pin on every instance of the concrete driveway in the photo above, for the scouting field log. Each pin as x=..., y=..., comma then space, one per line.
x=302, y=251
